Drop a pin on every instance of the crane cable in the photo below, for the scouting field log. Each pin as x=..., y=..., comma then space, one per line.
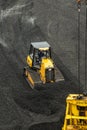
x=86, y=48
x=78, y=48
x=79, y=56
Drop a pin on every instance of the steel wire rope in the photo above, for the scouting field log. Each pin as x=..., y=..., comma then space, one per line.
x=86, y=48
x=78, y=46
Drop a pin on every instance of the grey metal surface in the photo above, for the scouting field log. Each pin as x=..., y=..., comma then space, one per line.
x=41, y=44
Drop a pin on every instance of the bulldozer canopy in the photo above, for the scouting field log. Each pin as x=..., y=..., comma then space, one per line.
x=41, y=45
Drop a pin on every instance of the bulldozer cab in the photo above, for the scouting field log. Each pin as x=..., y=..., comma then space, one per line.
x=39, y=50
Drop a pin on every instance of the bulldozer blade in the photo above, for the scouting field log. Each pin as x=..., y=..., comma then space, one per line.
x=33, y=77
x=58, y=75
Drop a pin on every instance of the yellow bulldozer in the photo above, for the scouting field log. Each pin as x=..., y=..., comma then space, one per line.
x=40, y=67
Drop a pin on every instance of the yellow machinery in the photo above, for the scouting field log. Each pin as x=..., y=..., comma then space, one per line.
x=76, y=104
x=76, y=112
x=40, y=67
